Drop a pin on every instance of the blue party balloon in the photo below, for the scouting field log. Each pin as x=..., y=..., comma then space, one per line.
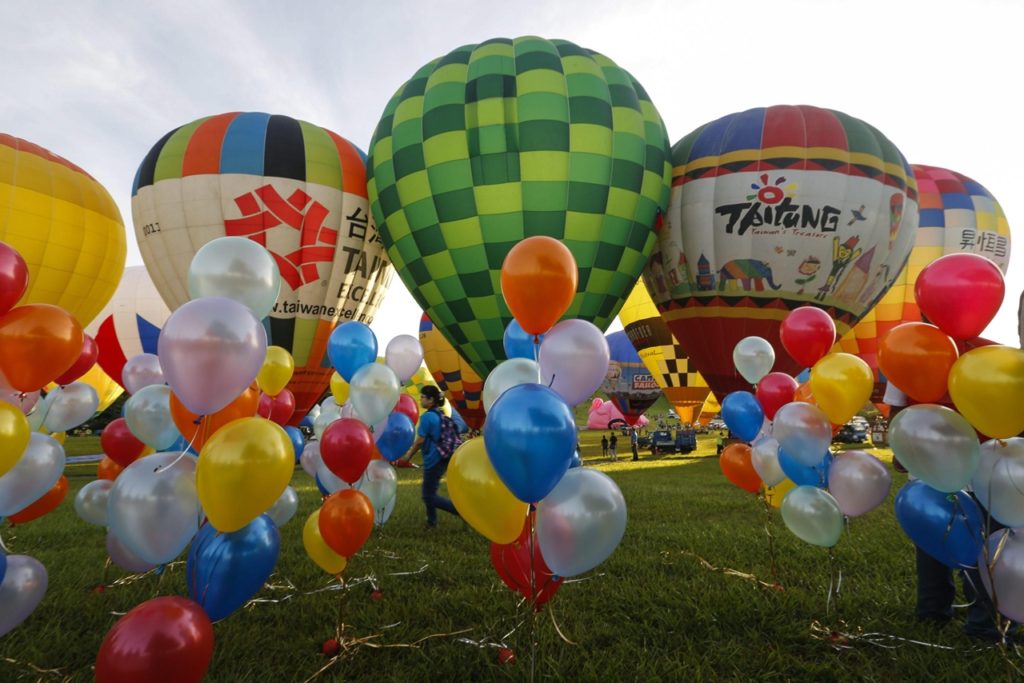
x=3, y=564
x=298, y=440
x=225, y=570
x=320, y=485
x=947, y=526
x=804, y=376
x=519, y=344
x=351, y=346
x=805, y=475
x=306, y=422
x=576, y=461
x=181, y=444
x=397, y=437
x=530, y=438
x=743, y=415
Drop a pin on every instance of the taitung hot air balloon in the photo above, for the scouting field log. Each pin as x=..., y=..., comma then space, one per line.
x=665, y=359
x=64, y=224
x=628, y=384
x=771, y=209
x=453, y=374
x=297, y=189
x=957, y=215
x=508, y=139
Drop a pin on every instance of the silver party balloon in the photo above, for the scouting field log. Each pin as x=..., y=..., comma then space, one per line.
x=70, y=406
x=373, y=392
x=310, y=457
x=936, y=445
x=328, y=413
x=813, y=516
x=35, y=473
x=211, y=349
x=314, y=412
x=764, y=456
x=239, y=269
x=508, y=374
x=1005, y=558
x=284, y=507
x=753, y=358
x=859, y=482
x=140, y=372
x=148, y=415
x=404, y=355
x=380, y=484
x=124, y=558
x=153, y=508
x=581, y=522
x=573, y=360
x=23, y=588
x=998, y=483
x=91, y=501
x=803, y=432
x=37, y=417
x=329, y=480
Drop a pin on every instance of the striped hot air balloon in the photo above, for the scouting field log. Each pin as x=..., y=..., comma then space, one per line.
x=297, y=189
x=454, y=376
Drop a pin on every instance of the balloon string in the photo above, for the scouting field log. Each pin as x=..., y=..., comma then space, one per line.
x=768, y=523
x=200, y=422
x=835, y=581
x=531, y=518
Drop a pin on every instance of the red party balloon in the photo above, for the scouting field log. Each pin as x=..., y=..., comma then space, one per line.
x=346, y=448
x=960, y=294
x=407, y=406
x=87, y=359
x=13, y=277
x=163, y=640
x=775, y=390
x=807, y=334
x=512, y=562
x=278, y=408
x=119, y=444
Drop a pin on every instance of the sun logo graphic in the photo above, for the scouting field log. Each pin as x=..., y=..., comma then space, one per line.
x=264, y=209
x=771, y=193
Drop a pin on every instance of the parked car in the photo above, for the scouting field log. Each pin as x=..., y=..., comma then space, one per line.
x=666, y=441
x=716, y=423
x=850, y=433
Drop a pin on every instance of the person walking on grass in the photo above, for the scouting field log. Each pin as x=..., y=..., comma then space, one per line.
x=604, y=445
x=438, y=437
x=613, y=445
x=634, y=442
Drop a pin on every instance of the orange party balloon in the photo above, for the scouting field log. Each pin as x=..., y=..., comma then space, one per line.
x=45, y=504
x=917, y=358
x=38, y=343
x=198, y=433
x=346, y=521
x=804, y=394
x=538, y=280
x=738, y=468
x=108, y=469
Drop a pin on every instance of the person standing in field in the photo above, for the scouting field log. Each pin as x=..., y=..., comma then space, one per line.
x=604, y=445
x=613, y=445
x=634, y=440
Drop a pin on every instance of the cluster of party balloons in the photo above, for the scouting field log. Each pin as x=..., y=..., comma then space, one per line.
x=517, y=486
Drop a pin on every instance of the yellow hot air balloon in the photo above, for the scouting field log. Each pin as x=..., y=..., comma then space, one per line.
x=682, y=385
x=64, y=224
x=710, y=408
x=454, y=376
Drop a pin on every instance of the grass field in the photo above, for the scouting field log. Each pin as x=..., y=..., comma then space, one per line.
x=651, y=612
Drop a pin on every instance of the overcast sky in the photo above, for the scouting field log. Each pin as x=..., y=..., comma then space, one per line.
x=100, y=82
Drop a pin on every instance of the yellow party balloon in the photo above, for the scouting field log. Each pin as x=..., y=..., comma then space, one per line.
x=318, y=550
x=480, y=496
x=243, y=469
x=842, y=384
x=276, y=372
x=14, y=433
x=339, y=389
x=775, y=494
x=987, y=387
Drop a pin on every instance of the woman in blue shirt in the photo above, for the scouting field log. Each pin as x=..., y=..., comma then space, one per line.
x=434, y=466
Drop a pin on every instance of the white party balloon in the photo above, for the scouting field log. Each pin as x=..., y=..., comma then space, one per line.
x=284, y=507
x=35, y=473
x=574, y=360
x=859, y=482
x=140, y=372
x=71, y=406
x=803, y=432
x=998, y=483
x=753, y=358
x=404, y=355
x=21, y=591
x=374, y=392
x=148, y=415
x=91, y=501
x=764, y=456
x=508, y=374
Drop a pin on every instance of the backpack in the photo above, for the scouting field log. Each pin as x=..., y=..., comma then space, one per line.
x=449, y=439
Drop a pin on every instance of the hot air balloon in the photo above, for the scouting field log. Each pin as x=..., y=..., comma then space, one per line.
x=64, y=224
x=508, y=139
x=771, y=209
x=666, y=360
x=957, y=214
x=297, y=189
x=454, y=376
x=629, y=384
x=710, y=408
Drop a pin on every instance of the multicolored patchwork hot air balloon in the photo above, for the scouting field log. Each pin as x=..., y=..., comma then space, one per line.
x=771, y=209
x=629, y=384
x=64, y=224
x=509, y=139
x=454, y=376
x=297, y=189
x=957, y=215
x=665, y=359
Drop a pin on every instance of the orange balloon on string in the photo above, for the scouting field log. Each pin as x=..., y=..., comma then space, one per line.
x=198, y=433
x=738, y=468
x=346, y=521
x=917, y=357
x=108, y=469
x=538, y=280
x=38, y=343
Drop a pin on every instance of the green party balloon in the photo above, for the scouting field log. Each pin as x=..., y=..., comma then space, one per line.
x=508, y=139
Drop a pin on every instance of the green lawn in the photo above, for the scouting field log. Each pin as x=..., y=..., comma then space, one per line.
x=651, y=612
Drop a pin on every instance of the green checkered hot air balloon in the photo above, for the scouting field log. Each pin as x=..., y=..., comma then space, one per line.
x=509, y=139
